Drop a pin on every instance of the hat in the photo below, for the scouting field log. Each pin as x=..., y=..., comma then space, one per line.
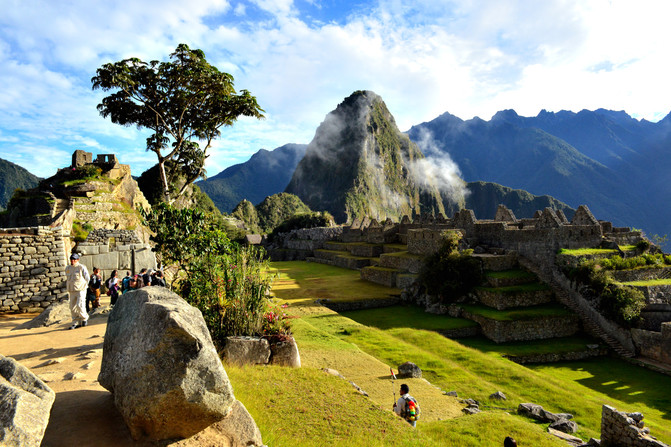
x=74, y=256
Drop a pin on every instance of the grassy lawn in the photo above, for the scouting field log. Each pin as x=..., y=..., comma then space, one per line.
x=308, y=407
x=587, y=251
x=406, y=316
x=652, y=282
x=518, y=313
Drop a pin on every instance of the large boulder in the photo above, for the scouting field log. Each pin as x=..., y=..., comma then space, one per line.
x=159, y=362
x=409, y=369
x=25, y=405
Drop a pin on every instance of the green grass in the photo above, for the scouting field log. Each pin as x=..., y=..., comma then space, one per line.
x=587, y=251
x=301, y=283
x=649, y=283
x=404, y=254
x=406, y=316
x=308, y=407
x=518, y=313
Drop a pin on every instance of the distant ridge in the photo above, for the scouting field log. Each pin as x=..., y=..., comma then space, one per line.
x=13, y=176
x=264, y=174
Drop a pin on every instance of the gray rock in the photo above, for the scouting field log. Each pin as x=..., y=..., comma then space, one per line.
x=470, y=410
x=160, y=364
x=57, y=312
x=564, y=425
x=26, y=403
x=246, y=351
x=285, y=353
x=239, y=427
x=409, y=369
x=498, y=396
x=537, y=412
x=472, y=403
x=452, y=393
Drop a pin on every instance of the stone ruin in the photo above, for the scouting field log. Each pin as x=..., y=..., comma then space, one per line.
x=619, y=429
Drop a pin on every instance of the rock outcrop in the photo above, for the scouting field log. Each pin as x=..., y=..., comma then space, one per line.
x=160, y=364
x=25, y=405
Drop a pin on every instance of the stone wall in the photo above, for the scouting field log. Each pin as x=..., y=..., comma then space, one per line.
x=32, y=268
x=119, y=250
x=522, y=330
x=619, y=429
x=654, y=345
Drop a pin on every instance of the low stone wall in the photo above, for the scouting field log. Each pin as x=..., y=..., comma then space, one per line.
x=654, y=345
x=380, y=275
x=502, y=301
x=553, y=357
x=641, y=274
x=32, y=268
x=405, y=262
x=619, y=429
x=524, y=330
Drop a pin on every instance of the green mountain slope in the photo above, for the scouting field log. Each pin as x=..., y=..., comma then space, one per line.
x=360, y=164
x=13, y=176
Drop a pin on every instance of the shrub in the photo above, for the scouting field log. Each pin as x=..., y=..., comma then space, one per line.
x=622, y=304
x=79, y=231
x=230, y=290
x=449, y=274
x=86, y=172
x=642, y=245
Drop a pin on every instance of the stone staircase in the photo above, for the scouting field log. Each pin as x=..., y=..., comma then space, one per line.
x=590, y=324
x=514, y=305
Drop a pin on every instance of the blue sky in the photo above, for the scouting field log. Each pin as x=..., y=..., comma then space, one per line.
x=301, y=58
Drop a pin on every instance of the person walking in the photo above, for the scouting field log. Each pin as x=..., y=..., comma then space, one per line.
x=407, y=407
x=77, y=280
x=113, y=284
x=93, y=292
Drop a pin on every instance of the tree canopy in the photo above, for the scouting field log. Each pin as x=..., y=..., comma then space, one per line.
x=184, y=102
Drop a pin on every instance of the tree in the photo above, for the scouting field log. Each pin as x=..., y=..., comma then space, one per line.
x=184, y=102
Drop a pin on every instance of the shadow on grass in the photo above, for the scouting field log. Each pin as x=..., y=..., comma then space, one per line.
x=625, y=382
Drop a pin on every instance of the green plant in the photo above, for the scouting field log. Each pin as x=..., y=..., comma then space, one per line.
x=449, y=274
x=79, y=231
x=622, y=304
x=230, y=289
x=304, y=220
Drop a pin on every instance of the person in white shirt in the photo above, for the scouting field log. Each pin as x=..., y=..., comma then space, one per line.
x=77, y=280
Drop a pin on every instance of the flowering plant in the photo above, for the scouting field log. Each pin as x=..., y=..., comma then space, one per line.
x=276, y=325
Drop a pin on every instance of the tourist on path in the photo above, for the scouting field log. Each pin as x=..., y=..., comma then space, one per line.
x=93, y=292
x=113, y=287
x=77, y=280
x=402, y=406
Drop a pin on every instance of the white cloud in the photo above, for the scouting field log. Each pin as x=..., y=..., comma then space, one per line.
x=424, y=58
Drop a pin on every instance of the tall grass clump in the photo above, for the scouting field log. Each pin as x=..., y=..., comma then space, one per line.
x=227, y=282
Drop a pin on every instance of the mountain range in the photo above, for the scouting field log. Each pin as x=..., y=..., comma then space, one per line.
x=13, y=176
x=615, y=164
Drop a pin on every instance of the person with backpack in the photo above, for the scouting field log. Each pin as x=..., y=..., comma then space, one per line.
x=126, y=283
x=407, y=407
x=93, y=292
x=112, y=285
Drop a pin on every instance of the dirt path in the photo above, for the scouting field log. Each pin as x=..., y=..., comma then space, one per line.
x=83, y=413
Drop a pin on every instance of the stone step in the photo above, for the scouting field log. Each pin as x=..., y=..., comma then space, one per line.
x=380, y=275
x=497, y=263
x=329, y=255
x=502, y=298
x=354, y=262
x=401, y=260
x=506, y=278
x=394, y=248
x=499, y=329
x=404, y=280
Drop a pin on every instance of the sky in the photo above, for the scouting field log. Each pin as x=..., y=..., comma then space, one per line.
x=302, y=58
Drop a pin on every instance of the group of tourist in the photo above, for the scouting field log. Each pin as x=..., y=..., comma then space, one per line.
x=84, y=290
